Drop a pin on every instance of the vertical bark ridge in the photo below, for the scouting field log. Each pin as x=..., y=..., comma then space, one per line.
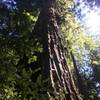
x=53, y=59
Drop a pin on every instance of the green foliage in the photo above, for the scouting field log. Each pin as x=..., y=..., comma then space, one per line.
x=81, y=46
x=18, y=87
x=19, y=49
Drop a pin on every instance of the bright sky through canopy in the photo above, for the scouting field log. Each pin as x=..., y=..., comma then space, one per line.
x=92, y=21
x=89, y=16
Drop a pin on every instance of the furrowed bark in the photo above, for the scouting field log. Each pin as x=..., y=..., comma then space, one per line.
x=53, y=58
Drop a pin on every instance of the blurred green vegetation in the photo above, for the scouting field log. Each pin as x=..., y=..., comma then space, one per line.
x=20, y=71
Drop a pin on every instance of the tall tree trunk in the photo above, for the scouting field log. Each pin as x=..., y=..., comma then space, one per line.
x=80, y=81
x=53, y=58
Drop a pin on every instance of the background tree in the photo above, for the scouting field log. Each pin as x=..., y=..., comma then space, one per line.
x=40, y=42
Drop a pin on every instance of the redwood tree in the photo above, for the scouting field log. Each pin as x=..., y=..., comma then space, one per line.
x=53, y=59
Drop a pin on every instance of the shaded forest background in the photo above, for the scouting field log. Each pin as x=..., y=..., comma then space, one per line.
x=22, y=76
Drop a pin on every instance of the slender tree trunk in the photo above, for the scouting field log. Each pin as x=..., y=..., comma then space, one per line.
x=53, y=58
x=80, y=81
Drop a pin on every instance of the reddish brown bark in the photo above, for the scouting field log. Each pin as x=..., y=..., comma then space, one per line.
x=53, y=59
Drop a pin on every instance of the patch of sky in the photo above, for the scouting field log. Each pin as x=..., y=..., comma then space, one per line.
x=88, y=14
x=11, y=4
